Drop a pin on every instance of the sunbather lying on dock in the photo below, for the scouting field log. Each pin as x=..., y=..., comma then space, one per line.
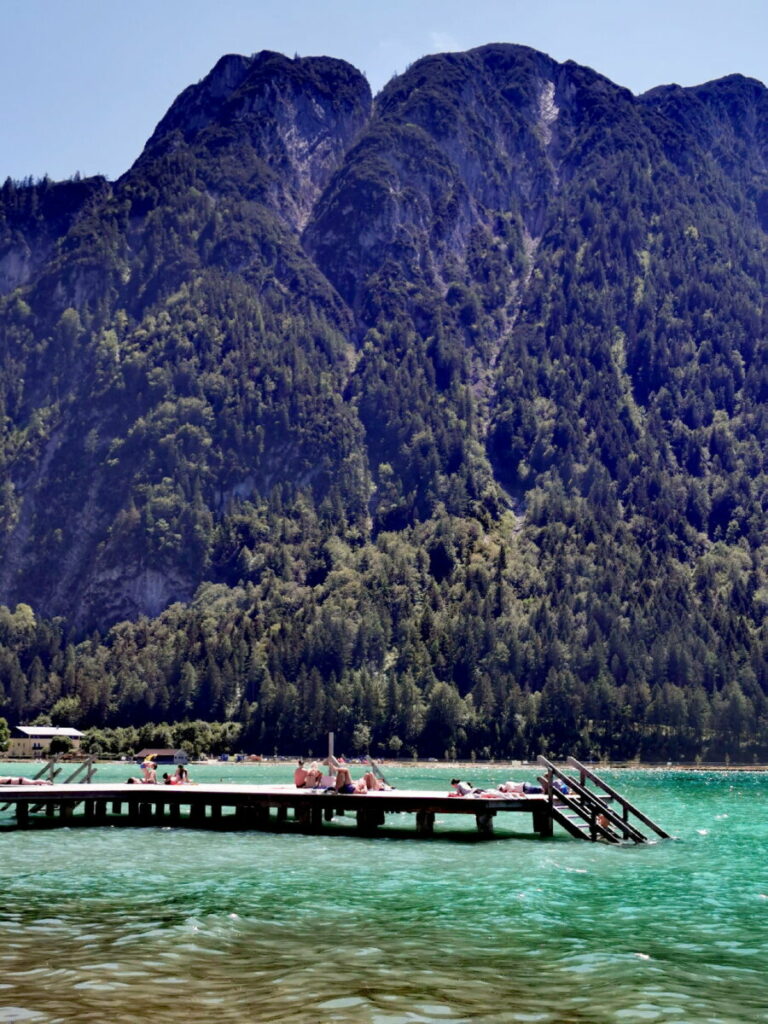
x=462, y=788
x=506, y=789
x=22, y=780
x=374, y=783
x=345, y=783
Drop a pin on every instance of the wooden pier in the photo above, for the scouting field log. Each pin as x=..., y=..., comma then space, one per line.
x=267, y=808
x=591, y=809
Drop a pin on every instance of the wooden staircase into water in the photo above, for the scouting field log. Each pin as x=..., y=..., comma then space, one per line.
x=587, y=814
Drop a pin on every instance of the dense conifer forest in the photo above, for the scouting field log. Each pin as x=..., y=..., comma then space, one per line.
x=438, y=420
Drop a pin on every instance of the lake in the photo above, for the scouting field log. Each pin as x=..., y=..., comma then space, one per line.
x=170, y=925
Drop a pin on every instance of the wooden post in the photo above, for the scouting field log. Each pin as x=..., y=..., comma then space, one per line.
x=542, y=821
x=425, y=823
x=368, y=820
x=485, y=822
x=22, y=814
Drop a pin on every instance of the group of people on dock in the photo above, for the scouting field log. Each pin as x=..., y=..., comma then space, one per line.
x=149, y=775
x=339, y=778
x=461, y=788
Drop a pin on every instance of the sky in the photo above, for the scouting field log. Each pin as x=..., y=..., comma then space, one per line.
x=84, y=82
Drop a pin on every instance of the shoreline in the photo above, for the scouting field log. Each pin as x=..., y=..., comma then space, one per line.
x=466, y=767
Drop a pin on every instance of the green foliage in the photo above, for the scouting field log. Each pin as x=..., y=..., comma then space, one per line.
x=444, y=429
x=60, y=745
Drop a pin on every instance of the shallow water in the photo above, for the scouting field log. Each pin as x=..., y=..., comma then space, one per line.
x=173, y=925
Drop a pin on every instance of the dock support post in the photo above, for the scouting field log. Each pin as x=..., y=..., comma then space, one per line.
x=22, y=814
x=425, y=823
x=542, y=821
x=369, y=819
x=485, y=822
x=197, y=814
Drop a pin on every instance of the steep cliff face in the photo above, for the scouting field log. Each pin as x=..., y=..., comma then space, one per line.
x=455, y=139
x=505, y=276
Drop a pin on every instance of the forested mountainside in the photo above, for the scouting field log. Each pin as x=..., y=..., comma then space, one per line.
x=437, y=419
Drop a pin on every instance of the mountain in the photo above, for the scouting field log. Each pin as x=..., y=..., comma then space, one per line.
x=438, y=418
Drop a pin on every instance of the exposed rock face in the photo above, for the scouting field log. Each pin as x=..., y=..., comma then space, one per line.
x=456, y=139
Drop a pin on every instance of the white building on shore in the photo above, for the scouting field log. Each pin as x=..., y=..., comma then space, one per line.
x=34, y=740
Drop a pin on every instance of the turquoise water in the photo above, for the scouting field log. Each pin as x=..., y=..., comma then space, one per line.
x=170, y=925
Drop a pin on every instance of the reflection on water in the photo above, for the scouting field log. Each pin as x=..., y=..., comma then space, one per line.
x=170, y=926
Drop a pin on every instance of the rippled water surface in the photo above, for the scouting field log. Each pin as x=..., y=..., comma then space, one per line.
x=172, y=925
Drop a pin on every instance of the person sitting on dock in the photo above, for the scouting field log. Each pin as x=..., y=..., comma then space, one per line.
x=182, y=774
x=300, y=775
x=150, y=773
x=22, y=780
x=314, y=776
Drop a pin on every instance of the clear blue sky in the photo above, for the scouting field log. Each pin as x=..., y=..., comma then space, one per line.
x=84, y=82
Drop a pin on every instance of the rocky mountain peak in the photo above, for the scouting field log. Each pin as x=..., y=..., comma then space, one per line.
x=296, y=117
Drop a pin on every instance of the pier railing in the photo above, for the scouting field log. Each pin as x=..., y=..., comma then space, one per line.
x=627, y=808
x=589, y=815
